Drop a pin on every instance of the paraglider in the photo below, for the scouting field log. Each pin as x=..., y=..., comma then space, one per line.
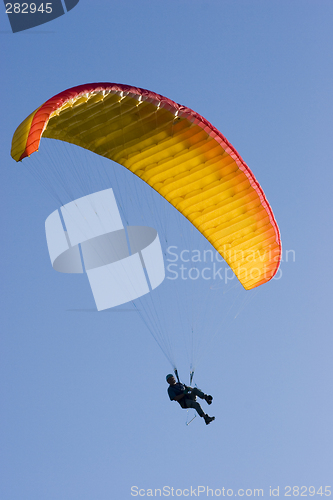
x=186, y=396
x=182, y=157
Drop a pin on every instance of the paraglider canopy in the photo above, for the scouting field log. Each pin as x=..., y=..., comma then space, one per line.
x=179, y=154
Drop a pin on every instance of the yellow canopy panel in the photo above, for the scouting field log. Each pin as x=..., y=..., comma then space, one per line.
x=179, y=154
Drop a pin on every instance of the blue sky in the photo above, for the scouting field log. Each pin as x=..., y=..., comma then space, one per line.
x=85, y=414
